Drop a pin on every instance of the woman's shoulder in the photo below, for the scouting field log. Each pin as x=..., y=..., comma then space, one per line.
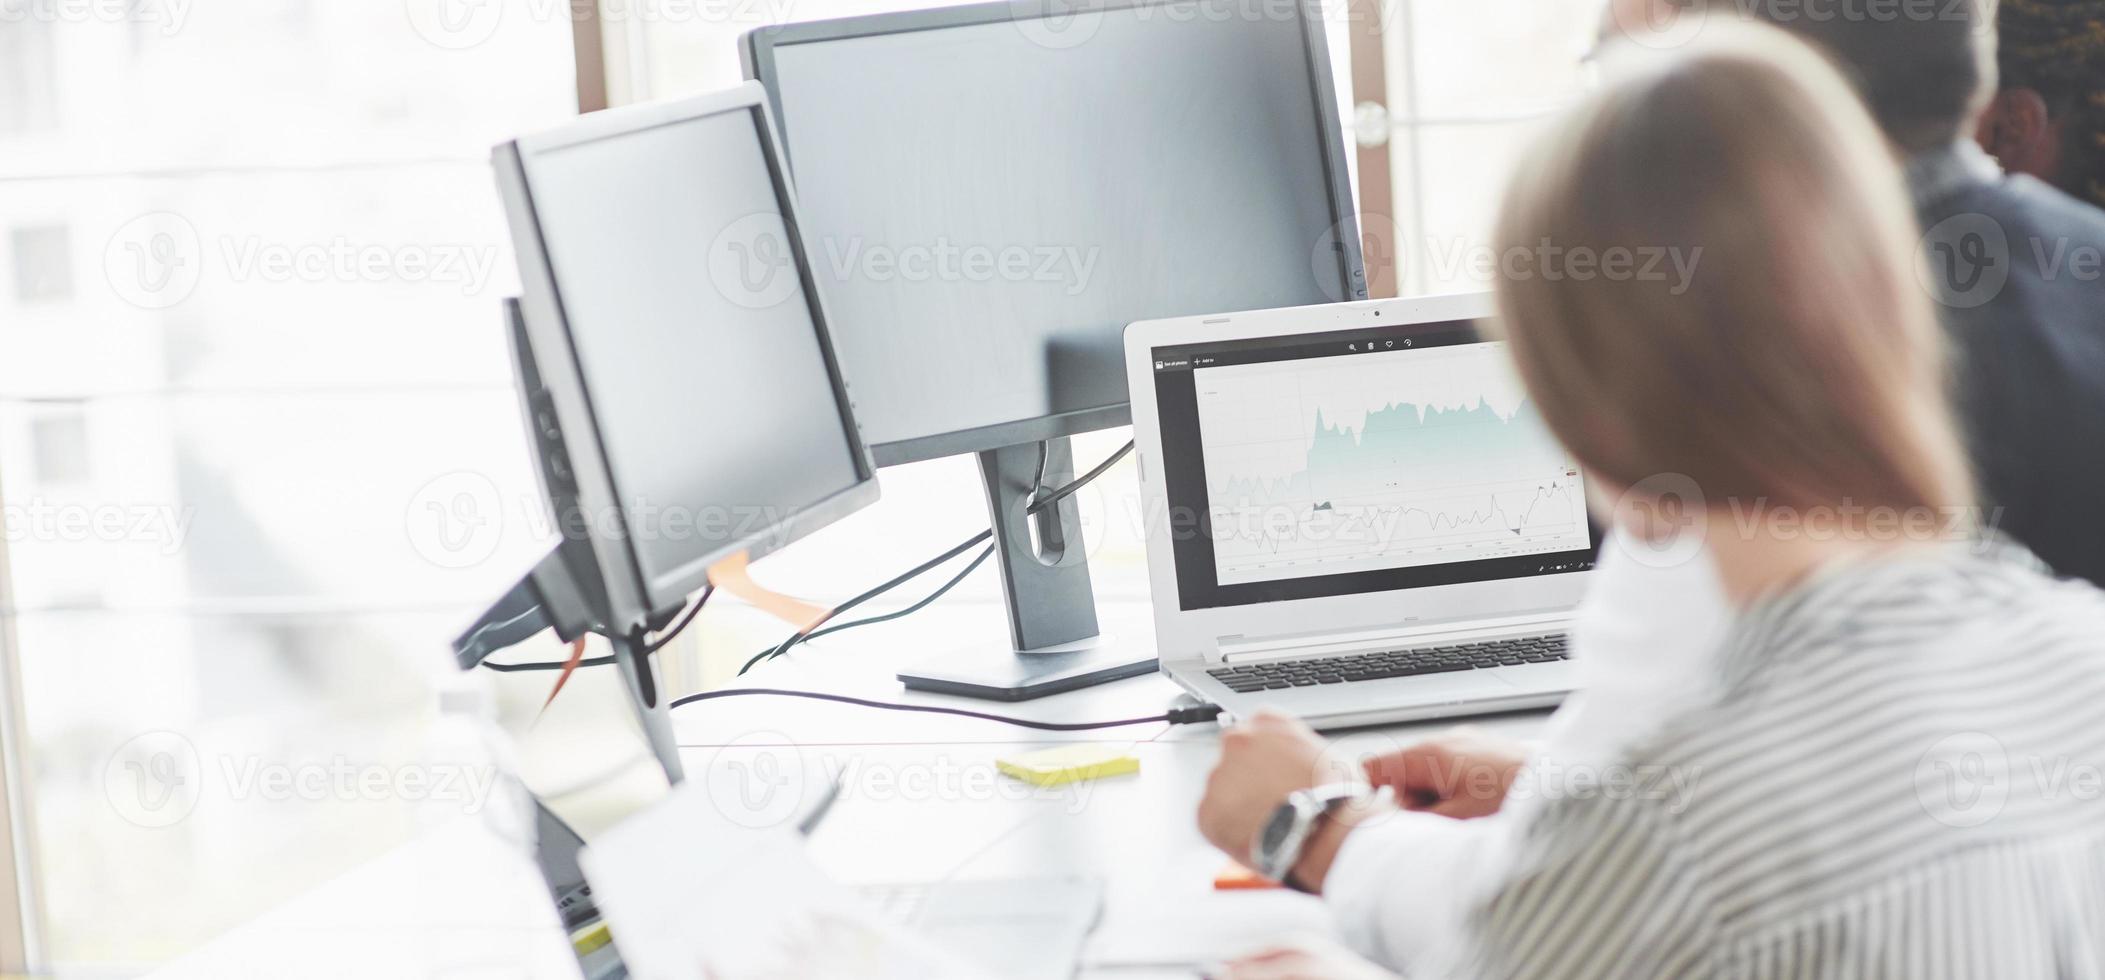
x=1927, y=609
x=1878, y=665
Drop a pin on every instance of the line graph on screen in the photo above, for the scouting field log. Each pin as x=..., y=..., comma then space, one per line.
x=1382, y=460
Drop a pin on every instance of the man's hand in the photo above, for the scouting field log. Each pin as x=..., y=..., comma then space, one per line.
x=1312, y=959
x=1262, y=761
x=1461, y=774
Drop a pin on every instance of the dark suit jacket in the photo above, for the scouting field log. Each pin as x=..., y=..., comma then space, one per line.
x=2019, y=268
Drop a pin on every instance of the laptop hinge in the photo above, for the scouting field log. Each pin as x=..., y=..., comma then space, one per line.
x=1243, y=649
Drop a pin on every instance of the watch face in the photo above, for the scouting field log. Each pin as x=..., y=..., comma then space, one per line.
x=1275, y=830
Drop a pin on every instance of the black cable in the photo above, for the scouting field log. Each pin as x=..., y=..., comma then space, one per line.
x=1179, y=716
x=918, y=570
x=654, y=646
x=814, y=630
x=916, y=607
x=1069, y=490
x=873, y=593
x=546, y=664
x=649, y=647
x=1036, y=506
x=771, y=652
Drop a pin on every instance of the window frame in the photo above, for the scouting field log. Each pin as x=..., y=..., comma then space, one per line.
x=21, y=904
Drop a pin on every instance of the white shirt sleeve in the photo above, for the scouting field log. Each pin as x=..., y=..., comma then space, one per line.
x=1431, y=896
x=1396, y=886
x=1400, y=888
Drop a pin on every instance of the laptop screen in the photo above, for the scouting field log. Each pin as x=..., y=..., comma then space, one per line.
x=1360, y=461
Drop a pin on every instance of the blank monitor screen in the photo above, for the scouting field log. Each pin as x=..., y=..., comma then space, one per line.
x=988, y=205
x=712, y=393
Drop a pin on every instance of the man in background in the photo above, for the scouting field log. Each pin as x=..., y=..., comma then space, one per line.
x=2017, y=266
x=2048, y=119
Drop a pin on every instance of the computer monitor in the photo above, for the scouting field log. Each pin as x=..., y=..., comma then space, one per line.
x=689, y=406
x=992, y=192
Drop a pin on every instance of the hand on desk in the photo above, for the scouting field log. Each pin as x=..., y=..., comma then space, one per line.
x=1263, y=761
x=1462, y=774
x=1314, y=959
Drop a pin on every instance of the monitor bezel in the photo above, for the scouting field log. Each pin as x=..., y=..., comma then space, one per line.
x=633, y=596
x=757, y=52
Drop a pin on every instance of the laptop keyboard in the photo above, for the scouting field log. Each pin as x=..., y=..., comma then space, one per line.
x=1283, y=674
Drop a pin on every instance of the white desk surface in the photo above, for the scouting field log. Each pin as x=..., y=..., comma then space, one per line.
x=921, y=801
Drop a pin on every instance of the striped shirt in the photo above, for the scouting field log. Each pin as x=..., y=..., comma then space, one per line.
x=1895, y=770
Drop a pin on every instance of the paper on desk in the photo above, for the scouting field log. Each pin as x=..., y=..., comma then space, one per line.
x=692, y=896
x=1205, y=929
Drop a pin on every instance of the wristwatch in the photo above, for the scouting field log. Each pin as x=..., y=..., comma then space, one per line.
x=1279, y=843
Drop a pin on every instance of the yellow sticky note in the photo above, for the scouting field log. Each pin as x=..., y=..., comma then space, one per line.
x=591, y=938
x=1070, y=764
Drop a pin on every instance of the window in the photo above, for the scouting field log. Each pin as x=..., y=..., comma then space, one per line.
x=59, y=443
x=43, y=264
x=28, y=102
x=1466, y=85
x=255, y=257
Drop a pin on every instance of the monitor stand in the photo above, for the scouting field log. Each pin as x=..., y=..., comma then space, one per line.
x=564, y=592
x=1054, y=644
x=648, y=702
x=560, y=585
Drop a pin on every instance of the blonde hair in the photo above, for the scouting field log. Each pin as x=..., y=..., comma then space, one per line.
x=1801, y=361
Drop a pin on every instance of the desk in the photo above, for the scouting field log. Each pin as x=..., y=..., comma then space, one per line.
x=920, y=801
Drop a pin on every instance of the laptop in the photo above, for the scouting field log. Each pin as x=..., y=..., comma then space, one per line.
x=1354, y=514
